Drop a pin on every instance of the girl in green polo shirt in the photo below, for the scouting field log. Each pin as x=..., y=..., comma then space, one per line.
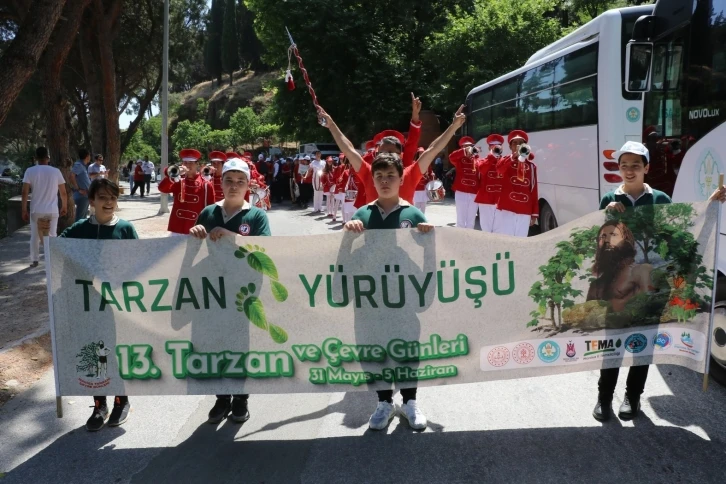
x=633, y=159
x=390, y=212
x=230, y=217
x=103, y=225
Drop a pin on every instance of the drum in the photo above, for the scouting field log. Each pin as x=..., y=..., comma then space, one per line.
x=259, y=198
x=435, y=191
x=351, y=194
x=318, y=180
x=351, y=189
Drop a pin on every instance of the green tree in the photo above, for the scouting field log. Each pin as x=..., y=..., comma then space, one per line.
x=219, y=140
x=230, y=56
x=190, y=135
x=213, y=46
x=244, y=124
x=250, y=48
x=151, y=133
x=137, y=149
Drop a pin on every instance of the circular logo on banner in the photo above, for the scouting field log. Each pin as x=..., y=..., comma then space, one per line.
x=406, y=224
x=633, y=114
x=662, y=340
x=523, y=353
x=499, y=356
x=244, y=229
x=635, y=343
x=548, y=351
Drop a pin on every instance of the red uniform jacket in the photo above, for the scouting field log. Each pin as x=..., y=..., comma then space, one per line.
x=409, y=149
x=519, y=186
x=218, y=193
x=490, y=182
x=467, y=176
x=341, y=175
x=138, y=174
x=198, y=193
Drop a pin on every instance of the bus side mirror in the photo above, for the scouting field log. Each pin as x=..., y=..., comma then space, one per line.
x=638, y=63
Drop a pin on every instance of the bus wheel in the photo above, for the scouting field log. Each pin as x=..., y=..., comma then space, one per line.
x=718, y=345
x=547, y=220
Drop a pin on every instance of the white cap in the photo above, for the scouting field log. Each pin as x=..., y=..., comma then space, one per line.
x=307, y=157
x=635, y=148
x=236, y=164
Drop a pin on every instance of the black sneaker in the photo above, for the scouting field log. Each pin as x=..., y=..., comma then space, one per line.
x=630, y=408
x=99, y=417
x=240, y=414
x=120, y=412
x=603, y=410
x=219, y=411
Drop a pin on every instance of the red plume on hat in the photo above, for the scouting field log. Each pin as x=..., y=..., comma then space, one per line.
x=289, y=81
x=466, y=141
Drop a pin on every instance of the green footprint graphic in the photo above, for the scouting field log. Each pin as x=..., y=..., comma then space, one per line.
x=253, y=308
x=261, y=262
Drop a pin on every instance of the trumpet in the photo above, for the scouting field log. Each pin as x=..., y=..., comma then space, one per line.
x=497, y=151
x=174, y=173
x=524, y=151
x=207, y=172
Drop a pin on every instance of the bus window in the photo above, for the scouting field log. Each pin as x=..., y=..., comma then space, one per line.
x=481, y=123
x=535, y=102
x=506, y=91
x=575, y=91
x=504, y=117
x=576, y=65
x=481, y=99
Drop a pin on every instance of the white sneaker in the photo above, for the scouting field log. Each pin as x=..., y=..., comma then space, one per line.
x=383, y=414
x=416, y=419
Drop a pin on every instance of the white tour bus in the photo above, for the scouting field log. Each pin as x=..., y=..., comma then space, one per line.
x=661, y=82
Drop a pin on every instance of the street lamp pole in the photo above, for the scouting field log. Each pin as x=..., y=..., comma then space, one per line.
x=164, y=207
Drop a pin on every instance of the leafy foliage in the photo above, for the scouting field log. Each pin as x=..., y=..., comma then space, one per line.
x=213, y=45
x=230, y=57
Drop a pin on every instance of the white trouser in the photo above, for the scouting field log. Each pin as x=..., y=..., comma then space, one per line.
x=486, y=216
x=510, y=223
x=420, y=199
x=330, y=202
x=339, y=201
x=465, y=209
x=348, y=211
x=318, y=200
x=35, y=236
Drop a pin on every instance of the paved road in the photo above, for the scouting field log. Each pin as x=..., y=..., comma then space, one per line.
x=528, y=430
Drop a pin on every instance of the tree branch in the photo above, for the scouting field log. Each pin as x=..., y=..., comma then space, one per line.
x=143, y=107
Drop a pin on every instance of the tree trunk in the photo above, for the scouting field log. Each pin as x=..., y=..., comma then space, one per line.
x=551, y=304
x=55, y=103
x=144, y=106
x=93, y=90
x=559, y=315
x=21, y=58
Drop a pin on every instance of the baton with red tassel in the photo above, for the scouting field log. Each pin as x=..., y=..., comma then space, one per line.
x=292, y=50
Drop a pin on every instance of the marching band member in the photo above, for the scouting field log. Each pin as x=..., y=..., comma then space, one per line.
x=303, y=177
x=363, y=169
x=191, y=193
x=217, y=158
x=518, y=205
x=341, y=176
x=466, y=183
x=231, y=216
x=329, y=185
x=490, y=183
x=316, y=171
x=420, y=198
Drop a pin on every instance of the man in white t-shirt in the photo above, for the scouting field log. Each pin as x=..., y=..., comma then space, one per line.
x=148, y=167
x=46, y=182
x=317, y=166
x=96, y=169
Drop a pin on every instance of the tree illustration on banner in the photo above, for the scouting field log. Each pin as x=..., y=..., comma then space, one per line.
x=252, y=305
x=678, y=284
x=88, y=360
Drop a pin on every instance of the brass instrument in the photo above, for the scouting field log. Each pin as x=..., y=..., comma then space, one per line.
x=497, y=151
x=524, y=151
x=174, y=173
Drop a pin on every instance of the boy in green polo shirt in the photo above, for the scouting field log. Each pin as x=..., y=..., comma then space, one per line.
x=103, y=225
x=633, y=159
x=390, y=212
x=229, y=217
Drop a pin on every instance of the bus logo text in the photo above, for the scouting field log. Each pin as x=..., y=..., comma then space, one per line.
x=703, y=113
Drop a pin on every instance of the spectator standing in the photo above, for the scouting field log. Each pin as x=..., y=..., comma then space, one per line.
x=138, y=178
x=46, y=182
x=96, y=169
x=80, y=181
x=439, y=168
x=148, y=167
x=130, y=173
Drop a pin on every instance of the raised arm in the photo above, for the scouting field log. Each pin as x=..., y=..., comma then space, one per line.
x=414, y=133
x=343, y=143
x=440, y=143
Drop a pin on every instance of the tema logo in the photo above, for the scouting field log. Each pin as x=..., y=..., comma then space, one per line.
x=406, y=224
x=593, y=347
x=244, y=229
x=662, y=340
x=635, y=343
x=548, y=351
x=686, y=340
x=570, y=351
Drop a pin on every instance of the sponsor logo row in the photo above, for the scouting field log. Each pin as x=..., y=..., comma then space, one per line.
x=542, y=353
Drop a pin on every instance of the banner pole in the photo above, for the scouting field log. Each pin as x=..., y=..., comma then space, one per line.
x=48, y=277
x=713, y=292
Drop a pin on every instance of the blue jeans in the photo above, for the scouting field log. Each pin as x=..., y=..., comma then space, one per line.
x=81, y=202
